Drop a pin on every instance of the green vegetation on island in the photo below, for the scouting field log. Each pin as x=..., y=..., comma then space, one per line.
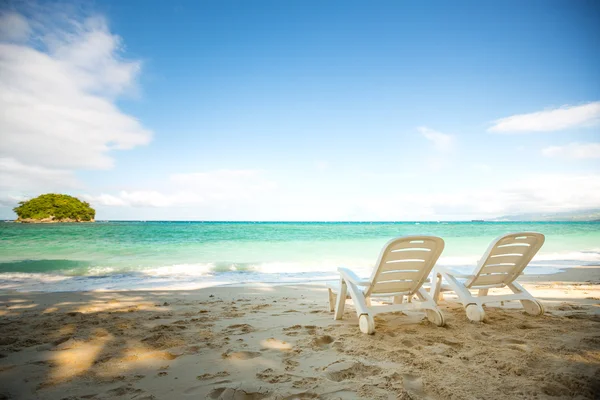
x=54, y=208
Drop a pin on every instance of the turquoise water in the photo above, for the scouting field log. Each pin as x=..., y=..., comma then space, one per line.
x=130, y=255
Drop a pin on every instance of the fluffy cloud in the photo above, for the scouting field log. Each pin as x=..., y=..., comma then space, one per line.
x=565, y=117
x=18, y=177
x=14, y=27
x=573, y=151
x=441, y=141
x=57, y=95
x=532, y=193
x=140, y=198
x=208, y=189
x=251, y=195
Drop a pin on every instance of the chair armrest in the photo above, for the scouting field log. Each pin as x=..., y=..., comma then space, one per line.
x=352, y=277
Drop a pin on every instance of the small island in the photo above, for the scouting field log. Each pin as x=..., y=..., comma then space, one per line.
x=52, y=208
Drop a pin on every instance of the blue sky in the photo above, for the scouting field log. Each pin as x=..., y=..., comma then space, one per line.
x=302, y=110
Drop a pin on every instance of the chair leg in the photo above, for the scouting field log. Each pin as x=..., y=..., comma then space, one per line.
x=332, y=297
x=529, y=303
x=366, y=322
x=472, y=305
x=341, y=300
x=437, y=292
x=434, y=315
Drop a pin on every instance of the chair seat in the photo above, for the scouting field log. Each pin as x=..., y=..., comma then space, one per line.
x=335, y=287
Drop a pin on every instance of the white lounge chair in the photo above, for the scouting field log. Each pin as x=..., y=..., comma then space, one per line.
x=403, y=266
x=500, y=266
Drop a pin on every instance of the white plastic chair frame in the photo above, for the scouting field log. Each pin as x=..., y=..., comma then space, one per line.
x=401, y=270
x=501, y=264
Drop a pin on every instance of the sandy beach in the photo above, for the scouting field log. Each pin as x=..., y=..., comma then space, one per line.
x=280, y=342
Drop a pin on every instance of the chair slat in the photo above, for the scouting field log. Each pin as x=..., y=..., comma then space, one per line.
x=408, y=254
x=427, y=244
x=402, y=266
x=392, y=287
x=497, y=268
x=529, y=239
x=399, y=275
x=489, y=279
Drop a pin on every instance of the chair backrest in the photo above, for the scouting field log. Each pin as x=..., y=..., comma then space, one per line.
x=404, y=264
x=506, y=258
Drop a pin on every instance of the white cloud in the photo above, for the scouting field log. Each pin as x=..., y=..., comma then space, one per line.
x=14, y=27
x=137, y=198
x=565, y=117
x=251, y=195
x=18, y=177
x=207, y=189
x=441, y=141
x=573, y=150
x=532, y=193
x=11, y=201
x=57, y=96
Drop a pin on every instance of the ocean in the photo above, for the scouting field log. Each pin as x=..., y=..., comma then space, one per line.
x=136, y=255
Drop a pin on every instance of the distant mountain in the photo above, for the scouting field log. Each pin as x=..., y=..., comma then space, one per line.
x=579, y=215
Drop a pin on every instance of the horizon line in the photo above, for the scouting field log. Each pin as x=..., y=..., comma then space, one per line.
x=315, y=221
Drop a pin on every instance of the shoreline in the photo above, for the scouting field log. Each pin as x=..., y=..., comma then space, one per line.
x=177, y=282
x=265, y=341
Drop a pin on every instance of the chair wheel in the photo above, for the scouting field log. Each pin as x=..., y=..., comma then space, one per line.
x=475, y=312
x=533, y=307
x=436, y=317
x=366, y=323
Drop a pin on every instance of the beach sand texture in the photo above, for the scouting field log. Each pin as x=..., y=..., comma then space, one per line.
x=280, y=342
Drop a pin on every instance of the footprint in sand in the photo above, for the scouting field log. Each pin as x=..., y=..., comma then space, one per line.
x=311, y=329
x=304, y=383
x=231, y=314
x=413, y=384
x=269, y=375
x=290, y=364
x=292, y=330
x=194, y=389
x=344, y=370
x=440, y=349
x=238, y=329
x=302, y=396
x=241, y=355
x=527, y=326
x=205, y=377
x=322, y=342
x=260, y=307
x=164, y=340
x=125, y=390
x=514, y=341
x=238, y=393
